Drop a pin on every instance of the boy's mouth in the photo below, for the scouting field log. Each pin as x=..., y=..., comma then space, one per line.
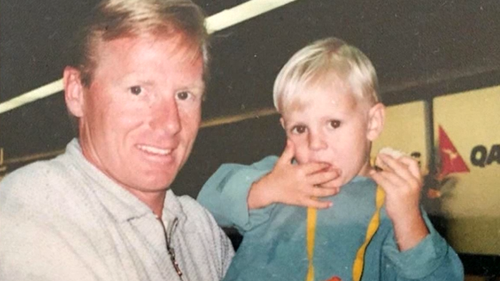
x=332, y=168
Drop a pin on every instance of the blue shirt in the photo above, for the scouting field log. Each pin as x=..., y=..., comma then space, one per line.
x=274, y=244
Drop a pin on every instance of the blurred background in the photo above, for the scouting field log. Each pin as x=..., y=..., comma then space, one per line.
x=438, y=63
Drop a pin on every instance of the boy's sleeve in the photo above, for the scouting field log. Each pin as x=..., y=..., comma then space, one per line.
x=430, y=260
x=226, y=191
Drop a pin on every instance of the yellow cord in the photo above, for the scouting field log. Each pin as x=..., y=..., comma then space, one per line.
x=357, y=268
x=311, y=230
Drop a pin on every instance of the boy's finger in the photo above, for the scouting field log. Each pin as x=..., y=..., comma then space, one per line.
x=396, y=166
x=386, y=180
x=406, y=171
x=321, y=191
x=314, y=167
x=287, y=155
x=380, y=163
x=322, y=177
x=330, y=184
x=412, y=165
x=384, y=162
x=392, y=182
x=314, y=203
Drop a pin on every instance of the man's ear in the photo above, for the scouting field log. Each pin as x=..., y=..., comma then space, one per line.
x=376, y=118
x=73, y=91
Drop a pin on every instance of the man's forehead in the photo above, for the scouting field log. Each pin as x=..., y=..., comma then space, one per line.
x=177, y=43
x=148, y=51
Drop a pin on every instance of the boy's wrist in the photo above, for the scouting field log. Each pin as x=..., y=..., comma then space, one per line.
x=258, y=197
x=409, y=231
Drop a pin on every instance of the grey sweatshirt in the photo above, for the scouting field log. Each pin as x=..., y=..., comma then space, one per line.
x=63, y=219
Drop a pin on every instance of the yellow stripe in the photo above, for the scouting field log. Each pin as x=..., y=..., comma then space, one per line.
x=311, y=230
x=357, y=268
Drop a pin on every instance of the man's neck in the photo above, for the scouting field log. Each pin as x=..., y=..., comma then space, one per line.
x=154, y=200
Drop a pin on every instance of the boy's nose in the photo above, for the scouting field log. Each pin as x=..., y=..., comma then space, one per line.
x=165, y=117
x=317, y=141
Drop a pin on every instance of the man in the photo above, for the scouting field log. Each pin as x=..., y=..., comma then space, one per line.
x=102, y=210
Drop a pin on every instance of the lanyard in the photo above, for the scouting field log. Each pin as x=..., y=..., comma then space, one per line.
x=357, y=267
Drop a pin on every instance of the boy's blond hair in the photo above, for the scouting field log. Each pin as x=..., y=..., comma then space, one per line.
x=321, y=62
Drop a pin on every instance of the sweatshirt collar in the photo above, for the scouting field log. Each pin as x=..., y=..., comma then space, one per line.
x=120, y=203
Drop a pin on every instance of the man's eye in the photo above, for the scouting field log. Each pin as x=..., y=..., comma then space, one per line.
x=334, y=124
x=136, y=90
x=183, y=95
x=298, y=129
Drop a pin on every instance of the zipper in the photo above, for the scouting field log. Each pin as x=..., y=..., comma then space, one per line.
x=170, y=249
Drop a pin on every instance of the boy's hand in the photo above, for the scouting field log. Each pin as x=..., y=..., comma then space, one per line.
x=402, y=182
x=294, y=184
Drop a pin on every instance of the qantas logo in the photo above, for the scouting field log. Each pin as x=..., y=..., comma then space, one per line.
x=481, y=157
x=451, y=160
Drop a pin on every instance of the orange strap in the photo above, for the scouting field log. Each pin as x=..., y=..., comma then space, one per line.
x=357, y=268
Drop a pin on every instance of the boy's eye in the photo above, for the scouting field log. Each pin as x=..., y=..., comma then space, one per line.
x=298, y=129
x=136, y=90
x=183, y=95
x=334, y=123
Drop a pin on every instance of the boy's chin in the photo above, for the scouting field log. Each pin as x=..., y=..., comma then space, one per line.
x=345, y=179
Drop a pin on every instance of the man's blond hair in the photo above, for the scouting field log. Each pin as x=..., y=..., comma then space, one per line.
x=113, y=19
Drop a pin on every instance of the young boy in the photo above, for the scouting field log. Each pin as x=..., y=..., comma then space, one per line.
x=372, y=229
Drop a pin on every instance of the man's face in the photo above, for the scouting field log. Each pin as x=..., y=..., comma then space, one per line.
x=328, y=124
x=141, y=113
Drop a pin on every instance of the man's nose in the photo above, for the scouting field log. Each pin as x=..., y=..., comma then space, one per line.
x=317, y=141
x=165, y=116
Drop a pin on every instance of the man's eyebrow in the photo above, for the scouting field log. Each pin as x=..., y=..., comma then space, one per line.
x=135, y=77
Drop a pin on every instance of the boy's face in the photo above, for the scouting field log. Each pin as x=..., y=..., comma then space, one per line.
x=329, y=124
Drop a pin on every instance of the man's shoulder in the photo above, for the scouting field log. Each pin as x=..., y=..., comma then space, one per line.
x=196, y=214
x=191, y=207
x=29, y=174
x=32, y=180
x=200, y=221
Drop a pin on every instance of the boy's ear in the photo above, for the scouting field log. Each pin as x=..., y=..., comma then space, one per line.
x=282, y=121
x=73, y=91
x=376, y=118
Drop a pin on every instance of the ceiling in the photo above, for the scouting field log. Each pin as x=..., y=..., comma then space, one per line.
x=413, y=44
